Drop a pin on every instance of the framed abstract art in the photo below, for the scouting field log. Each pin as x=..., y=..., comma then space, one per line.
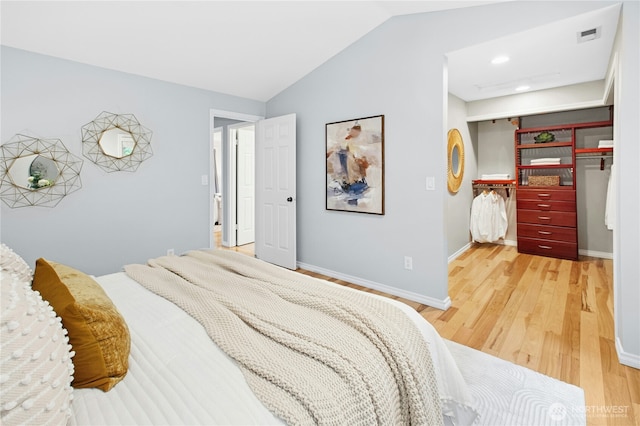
x=355, y=165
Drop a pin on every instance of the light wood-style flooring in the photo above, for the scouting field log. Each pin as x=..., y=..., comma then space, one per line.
x=550, y=315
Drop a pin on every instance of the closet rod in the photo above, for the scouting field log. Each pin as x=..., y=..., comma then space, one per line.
x=593, y=156
x=493, y=184
x=602, y=157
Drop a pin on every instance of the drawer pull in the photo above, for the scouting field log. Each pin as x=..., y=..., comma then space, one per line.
x=545, y=247
x=544, y=195
x=544, y=205
x=545, y=232
x=544, y=218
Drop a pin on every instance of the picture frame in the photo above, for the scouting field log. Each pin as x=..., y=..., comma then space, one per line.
x=355, y=165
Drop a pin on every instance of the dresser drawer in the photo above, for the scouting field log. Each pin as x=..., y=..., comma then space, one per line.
x=543, y=205
x=547, y=218
x=540, y=247
x=544, y=232
x=546, y=194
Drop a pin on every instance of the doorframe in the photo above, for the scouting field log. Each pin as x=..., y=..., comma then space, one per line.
x=228, y=172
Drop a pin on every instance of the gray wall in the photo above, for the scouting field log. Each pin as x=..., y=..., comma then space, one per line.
x=120, y=217
x=395, y=70
x=626, y=239
x=459, y=204
x=496, y=154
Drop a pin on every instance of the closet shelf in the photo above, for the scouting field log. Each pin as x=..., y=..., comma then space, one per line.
x=593, y=150
x=545, y=145
x=588, y=125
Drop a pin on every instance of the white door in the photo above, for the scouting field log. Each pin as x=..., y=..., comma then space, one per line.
x=245, y=143
x=276, y=190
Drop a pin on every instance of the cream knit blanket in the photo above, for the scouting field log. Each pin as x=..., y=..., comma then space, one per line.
x=312, y=353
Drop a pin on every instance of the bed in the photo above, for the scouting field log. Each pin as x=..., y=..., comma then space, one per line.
x=176, y=371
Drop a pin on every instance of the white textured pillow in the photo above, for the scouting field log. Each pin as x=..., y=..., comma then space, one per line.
x=13, y=263
x=35, y=365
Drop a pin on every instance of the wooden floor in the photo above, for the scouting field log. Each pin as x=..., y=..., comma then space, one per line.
x=550, y=315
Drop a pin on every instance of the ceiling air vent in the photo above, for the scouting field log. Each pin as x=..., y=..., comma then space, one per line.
x=588, y=35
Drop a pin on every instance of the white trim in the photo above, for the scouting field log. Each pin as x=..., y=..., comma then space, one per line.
x=592, y=253
x=225, y=175
x=536, y=110
x=632, y=360
x=510, y=243
x=429, y=301
x=455, y=255
x=233, y=115
x=230, y=199
x=212, y=178
x=611, y=78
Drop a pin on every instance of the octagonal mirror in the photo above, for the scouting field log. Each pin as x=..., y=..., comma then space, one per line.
x=116, y=142
x=37, y=172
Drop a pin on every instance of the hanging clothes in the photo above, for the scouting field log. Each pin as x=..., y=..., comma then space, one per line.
x=488, y=218
x=610, y=206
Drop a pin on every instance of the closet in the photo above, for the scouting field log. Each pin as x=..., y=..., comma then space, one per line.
x=561, y=179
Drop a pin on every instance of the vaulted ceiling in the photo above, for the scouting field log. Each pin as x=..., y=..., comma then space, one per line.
x=255, y=49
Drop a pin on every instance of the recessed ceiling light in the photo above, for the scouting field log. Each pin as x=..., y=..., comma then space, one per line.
x=522, y=88
x=500, y=60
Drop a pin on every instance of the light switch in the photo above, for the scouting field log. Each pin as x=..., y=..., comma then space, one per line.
x=205, y=180
x=431, y=183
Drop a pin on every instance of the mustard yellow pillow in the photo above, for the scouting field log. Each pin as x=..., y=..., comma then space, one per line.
x=97, y=332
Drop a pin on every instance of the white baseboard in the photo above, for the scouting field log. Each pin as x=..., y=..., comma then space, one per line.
x=592, y=253
x=632, y=360
x=459, y=252
x=425, y=300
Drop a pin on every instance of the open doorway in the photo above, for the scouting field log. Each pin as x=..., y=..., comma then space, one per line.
x=223, y=162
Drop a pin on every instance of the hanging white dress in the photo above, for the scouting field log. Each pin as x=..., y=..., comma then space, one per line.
x=488, y=218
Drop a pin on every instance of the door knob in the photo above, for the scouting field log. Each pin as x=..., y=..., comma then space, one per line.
x=289, y=199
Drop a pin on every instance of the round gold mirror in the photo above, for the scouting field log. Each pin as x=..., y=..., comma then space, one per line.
x=455, y=160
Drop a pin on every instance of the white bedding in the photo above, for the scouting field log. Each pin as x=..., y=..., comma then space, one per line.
x=178, y=376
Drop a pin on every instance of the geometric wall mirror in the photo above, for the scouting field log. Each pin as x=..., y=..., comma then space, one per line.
x=37, y=172
x=116, y=142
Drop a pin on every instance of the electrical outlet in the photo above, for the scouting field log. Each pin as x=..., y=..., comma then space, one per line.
x=408, y=262
x=170, y=252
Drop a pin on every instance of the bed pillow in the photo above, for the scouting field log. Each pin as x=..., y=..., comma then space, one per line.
x=11, y=262
x=97, y=332
x=35, y=366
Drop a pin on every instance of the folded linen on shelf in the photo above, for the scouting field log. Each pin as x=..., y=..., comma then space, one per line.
x=496, y=176
x=605, y=144
x=541, y=161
